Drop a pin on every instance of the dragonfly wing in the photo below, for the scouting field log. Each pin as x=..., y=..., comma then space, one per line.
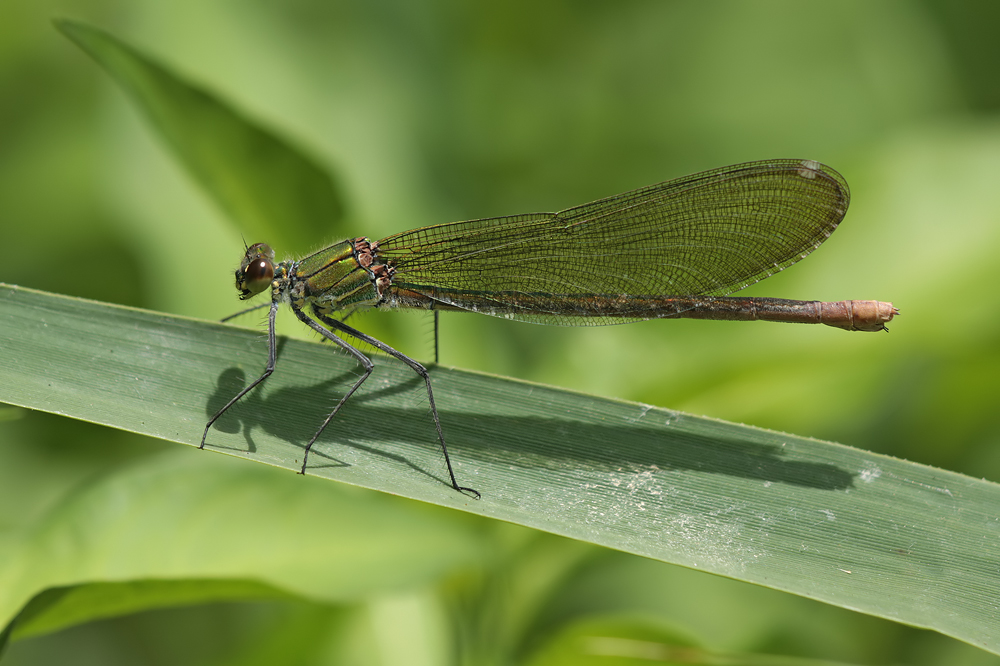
x=710, y=233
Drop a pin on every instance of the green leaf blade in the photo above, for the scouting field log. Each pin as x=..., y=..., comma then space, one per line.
x=61, y=607
x=859, y=530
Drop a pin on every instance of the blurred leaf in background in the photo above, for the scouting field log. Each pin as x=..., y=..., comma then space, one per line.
x=258, y=180
x=430, y=113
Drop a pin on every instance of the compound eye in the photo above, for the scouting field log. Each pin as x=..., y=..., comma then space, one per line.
x=256, y=271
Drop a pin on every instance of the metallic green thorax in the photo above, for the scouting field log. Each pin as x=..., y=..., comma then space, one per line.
x=333, y=279
x=342, y=277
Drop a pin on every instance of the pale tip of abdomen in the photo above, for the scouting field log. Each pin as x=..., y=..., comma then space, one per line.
x=857, y=315
x=871, y=315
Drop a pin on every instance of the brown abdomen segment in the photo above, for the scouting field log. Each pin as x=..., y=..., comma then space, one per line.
x=849, y=315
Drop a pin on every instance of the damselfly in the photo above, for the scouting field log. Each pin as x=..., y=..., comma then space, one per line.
x=670, y=250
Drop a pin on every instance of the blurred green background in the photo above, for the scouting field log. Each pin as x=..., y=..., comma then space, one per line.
x=433, y=112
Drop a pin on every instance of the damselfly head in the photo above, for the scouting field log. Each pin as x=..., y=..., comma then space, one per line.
x=256, y=271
